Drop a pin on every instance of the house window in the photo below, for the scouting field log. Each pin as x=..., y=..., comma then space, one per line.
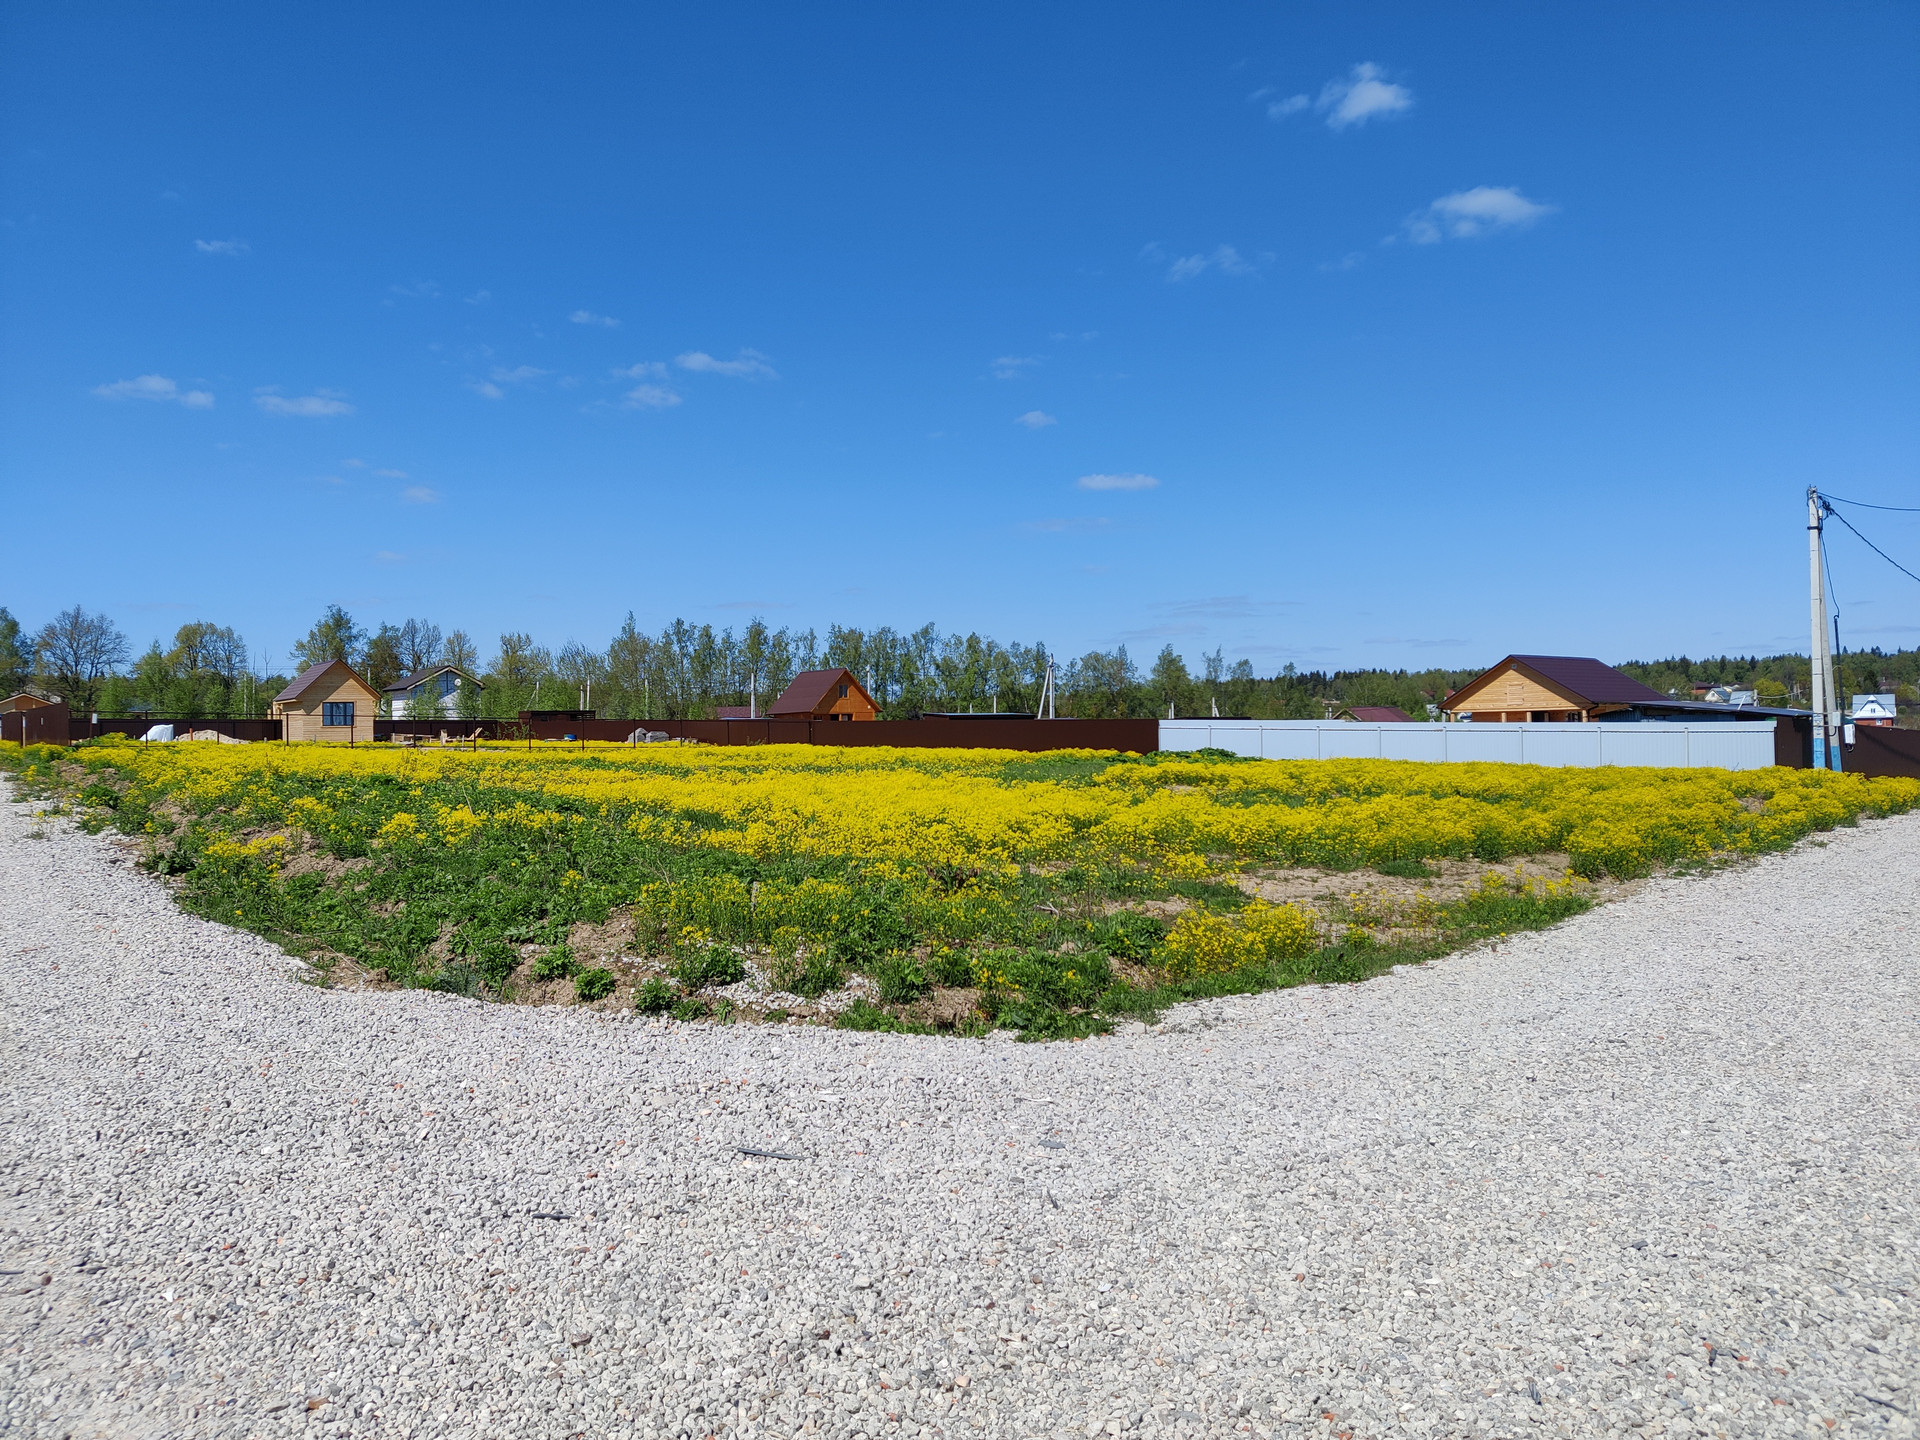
x=843, y=692
x=337, y=712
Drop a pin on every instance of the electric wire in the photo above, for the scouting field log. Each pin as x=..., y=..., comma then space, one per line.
x=1866, y=542
x=1902, y=509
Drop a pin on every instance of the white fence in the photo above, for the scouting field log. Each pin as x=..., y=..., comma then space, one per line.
x=1722, y=744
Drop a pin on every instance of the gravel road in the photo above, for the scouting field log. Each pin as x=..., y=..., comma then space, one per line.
x=1654, y=1170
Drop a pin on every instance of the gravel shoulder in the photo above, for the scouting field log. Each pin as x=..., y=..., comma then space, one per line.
x=1653, y=1170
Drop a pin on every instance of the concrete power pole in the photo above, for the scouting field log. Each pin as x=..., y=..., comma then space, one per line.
x=1826, y=755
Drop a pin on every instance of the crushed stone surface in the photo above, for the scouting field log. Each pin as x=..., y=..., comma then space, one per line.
x=1652, y=1171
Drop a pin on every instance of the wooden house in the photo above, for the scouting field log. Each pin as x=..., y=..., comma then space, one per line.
x=327, y=701
x=25, y=700
x=1375, y=715
x=824, y=695
x=1554, y=687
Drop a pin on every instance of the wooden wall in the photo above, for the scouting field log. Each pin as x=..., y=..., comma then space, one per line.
x=1515, y=696
x=301, y=718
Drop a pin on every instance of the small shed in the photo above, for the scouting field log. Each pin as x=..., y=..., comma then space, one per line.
x=327, y=701
x=824, y=695
x=26, y=700
x=428, y=693
x=1552, y=687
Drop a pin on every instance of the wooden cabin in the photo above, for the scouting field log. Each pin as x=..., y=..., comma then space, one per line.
x=327, y=701
x=1539, y=688
x=26, y=700
x=824, y=695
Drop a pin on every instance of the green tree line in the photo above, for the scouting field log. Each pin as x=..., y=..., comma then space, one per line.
x=687, y=672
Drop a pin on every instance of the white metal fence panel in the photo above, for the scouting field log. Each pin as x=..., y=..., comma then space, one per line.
x=1723, y=744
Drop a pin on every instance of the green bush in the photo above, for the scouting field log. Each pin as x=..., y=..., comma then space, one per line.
x=458, y=979
x=900, y=979
x=950, y=968
x=654, y=997
x=811, y=976
x=690, y=1008
x=710, y=965
x=557, y=964
x=1128, y=935
x=591, y=985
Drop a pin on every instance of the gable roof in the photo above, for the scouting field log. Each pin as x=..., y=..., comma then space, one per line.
x=308, y=677
x=1379, y=714
x=810, y=687
x=1580, y=676
x=426, y=673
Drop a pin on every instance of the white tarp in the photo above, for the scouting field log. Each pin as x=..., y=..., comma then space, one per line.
x=159, y=732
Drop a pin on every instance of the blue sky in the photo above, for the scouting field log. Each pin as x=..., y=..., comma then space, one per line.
x=1335, y=335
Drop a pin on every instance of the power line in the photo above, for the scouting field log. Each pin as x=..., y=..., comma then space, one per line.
x=1868, y=543
x=1902, y=509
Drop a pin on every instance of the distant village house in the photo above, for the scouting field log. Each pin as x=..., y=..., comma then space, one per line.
x=1877, y=710
x=824, y=695
x=327, y=701
x=26, y=700
x=428, y=694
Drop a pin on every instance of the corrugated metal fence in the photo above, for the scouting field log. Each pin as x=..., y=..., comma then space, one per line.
x=1722, y=744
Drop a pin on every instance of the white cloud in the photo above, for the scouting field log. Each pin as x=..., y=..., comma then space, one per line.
x=390, y=474
x=1361, y=96
x=319, y=405
x=518, y=375
x=354, y=464
x=1012, y=367
x=750, y=365
x=1117, y=482
x=1292, y=105
x=486, y=388
x=645, y=370
x=479, y=297
x=222, y=247
x=388, y=556
x=1035, y=420
x=1467, y=214
x=155, y=387
x=1224, y=258
x=418, y=494
x=650, y=397
x=587, y=317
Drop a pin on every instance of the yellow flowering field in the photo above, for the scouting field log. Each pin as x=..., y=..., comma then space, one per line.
x=1057, y=888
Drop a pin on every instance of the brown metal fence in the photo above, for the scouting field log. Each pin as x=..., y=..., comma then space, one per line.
x=1878, y=750
x=53, y=725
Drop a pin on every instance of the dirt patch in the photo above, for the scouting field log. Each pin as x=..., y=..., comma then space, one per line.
x=316, y=862
x=1325, y=891
x=946, y=1008
x=604, y=943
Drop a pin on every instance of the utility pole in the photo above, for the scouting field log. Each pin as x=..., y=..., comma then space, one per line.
x=1826, y=754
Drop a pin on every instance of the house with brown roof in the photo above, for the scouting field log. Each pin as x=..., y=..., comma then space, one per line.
x=327, y=701
x=1554, y=687
x=824, y=695
x=26, y=700
x=1376, y=715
